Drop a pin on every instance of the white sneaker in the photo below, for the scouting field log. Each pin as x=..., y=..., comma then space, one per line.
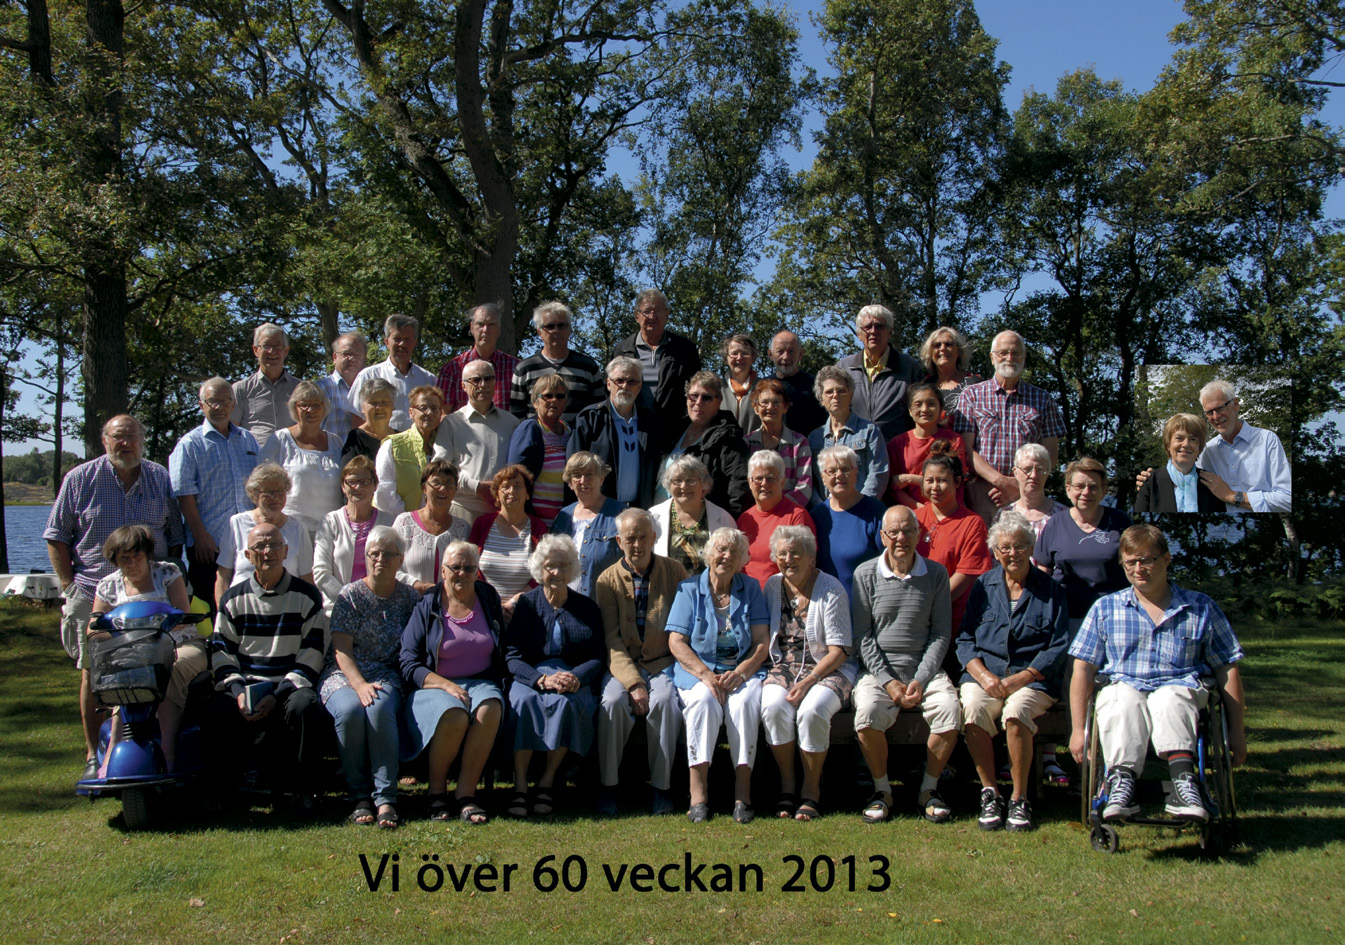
x=1187, y=801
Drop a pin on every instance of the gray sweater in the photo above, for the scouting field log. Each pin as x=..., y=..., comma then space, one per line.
x=901, y=626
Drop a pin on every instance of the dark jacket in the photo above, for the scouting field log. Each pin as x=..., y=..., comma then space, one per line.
x=677, y=360
x=595, y=431
x=805, y=414
x=724, y=452
x=1158, y=496
x=583, y=643
x=884, y=399
x=425, y=631
x=527, y=448
x=1036, y=635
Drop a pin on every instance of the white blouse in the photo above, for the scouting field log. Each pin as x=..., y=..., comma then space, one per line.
x=425, y=552
x=315, y=476
x=334, y=553
x=234, y=542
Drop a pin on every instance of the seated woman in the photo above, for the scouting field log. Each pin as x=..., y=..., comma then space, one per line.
x=766, y=473
x=451, y=656
x=403, y=455
x=361, y=683
x=538, y=445
x=711, y=435
x=951, y=535
x=849, y=523
x=771, y=402
x=1031, y=469
x=1177, y=487
x=139, y=577
x=688, y=518
x=268, y=485
x=364, y=440
x=555, y=649
x=311, y=456
x=1012, y=644
x=430, y=529
x=590, y=520
x=338, y=547
x=907, y=452
x=718, y=630
x=812, y=673
x=507, y=537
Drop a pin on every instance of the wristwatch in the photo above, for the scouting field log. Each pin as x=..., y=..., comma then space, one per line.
x=1239, y=498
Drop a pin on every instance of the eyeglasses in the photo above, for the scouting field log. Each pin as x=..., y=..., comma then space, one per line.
x=217, y=404
x=873, y=328
x=355, y=483
x=763, y=480
x=772, y=403
x=308, y=407
x=1134, y=564
x=696, y=397
x=478, y=381
x=1007, y=550
x=893, y=534
x=266, y=546
x=272, y=349
x=553, y=396
x=943, y=344
x=272, y=493
x=1032, y=470
x=556, y=326
x=458, y=569
x=1221, y=408
x=382, y=555
x=423, y=408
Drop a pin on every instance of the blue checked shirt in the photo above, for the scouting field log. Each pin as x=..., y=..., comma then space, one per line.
x=338, y=420
x=213, y=469
x=92, y=505
x=1192, y=640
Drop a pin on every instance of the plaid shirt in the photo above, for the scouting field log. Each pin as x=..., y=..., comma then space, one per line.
x=641, y=584
x=1192, y=640
x=450, y=378
x=1000, y=420
x=214, y=469
x=798, y=458
x=92, y=505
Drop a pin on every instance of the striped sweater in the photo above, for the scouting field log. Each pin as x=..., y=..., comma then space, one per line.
x=278, y=635
x=582, y=376
x=901, y=626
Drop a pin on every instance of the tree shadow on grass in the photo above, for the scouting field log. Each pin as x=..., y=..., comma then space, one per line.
x=1259, y=834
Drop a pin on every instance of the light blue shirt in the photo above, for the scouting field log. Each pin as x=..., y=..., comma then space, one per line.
x=1254, y=463
x=1184, y=487
x=214, y=468
x=862, y=436
x=339, y=410
x=628, y=469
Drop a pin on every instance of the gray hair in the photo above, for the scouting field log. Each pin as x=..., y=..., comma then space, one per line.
x=355, y=336
x=553, y=307
x=1009, y=331
x=880, y=312
x=562, y=545
x=266, y=330
x=959, y=339
x=375, y=386
x=840, y=453
x=624, y=362
x=1012, y=524
x=485, y=308
x=633, y=515
x=262, y=474
x=739, y=338
x=735, y=539
x=648, y=294
x=398, y=322
x=215, y=383
x=833, y=372
x=465, y=548
x=1034, y=451
x=139, y=427
x=707, y=380
x=766, y=458
x=1220, y=387
x=795, y=535
x=385, y=536
x=308, y=390
x=684, y=464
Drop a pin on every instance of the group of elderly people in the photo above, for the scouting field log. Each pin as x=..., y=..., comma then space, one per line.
x=493, y=576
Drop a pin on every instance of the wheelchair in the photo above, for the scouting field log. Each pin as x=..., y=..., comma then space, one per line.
x=1214, y=770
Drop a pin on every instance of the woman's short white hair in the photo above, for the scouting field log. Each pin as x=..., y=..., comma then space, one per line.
x=1220, y=387
x=839, y=453
x=562, y=545
x=466, y=549
x=1035, y=452
x=766, y=458
x=798, y=535
x=687, y=465
x=384, y=536
x=1011, y=524
x=734, y=538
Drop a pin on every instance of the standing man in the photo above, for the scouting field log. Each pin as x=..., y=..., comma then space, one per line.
x=401, y=333
x=484, y=325
x=635, y=595
x=998, y=416
x=881, y=372
x=261, y=401
x=900, y=611
x=624, y=435
x=349, y=354
x=475, y=438
x=583, y=378
x=96, y=498
x=805, y=414
x=667, y=360
x=1244, y=466
x=209, y=468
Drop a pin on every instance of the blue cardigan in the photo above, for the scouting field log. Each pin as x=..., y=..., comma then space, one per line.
x=1008, y=641
x=425, y=631
x=599, y=550
x=693, y=616
x=583, y=643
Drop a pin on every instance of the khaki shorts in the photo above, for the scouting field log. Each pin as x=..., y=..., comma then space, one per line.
x=1024, y=706
x=75, y=614
x=875, y=709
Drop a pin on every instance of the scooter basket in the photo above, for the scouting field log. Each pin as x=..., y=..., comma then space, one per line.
x=131, y=668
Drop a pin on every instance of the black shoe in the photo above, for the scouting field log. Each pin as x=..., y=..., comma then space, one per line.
x=1020, y=815
x=90, y=770
x=992, y=810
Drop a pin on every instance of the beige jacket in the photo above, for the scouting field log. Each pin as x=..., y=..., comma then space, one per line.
x=615, y=594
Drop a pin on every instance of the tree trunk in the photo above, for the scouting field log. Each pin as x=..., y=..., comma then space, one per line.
x=328, y=314
x=58, y=413
x=4, y=539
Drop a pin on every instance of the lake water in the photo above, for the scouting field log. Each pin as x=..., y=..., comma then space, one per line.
x=23, y=534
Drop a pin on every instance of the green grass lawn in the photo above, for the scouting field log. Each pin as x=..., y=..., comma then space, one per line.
x=71, y=873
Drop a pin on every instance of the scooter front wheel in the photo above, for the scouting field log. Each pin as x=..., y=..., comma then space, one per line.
x=135, y=808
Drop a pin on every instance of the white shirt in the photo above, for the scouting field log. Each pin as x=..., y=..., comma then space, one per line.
x=478, y=444
x=416, y=376
x=315, y=477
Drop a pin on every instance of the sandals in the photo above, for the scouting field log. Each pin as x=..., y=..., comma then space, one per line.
x=363, y=814
x=933, y=807
x=785, y=806
x=471, y=812
x=809, y=809
x=542, y=802
x=518, y=805
x=698, y=813
x=1055, y=774
x=878, y=809
x=388, y=818
x=441, y=808
x=743, y=813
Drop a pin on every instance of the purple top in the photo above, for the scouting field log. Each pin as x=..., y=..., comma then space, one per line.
x=467, y=645
x=361, y=530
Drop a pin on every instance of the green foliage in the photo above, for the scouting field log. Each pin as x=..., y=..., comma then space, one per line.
x=34, y=468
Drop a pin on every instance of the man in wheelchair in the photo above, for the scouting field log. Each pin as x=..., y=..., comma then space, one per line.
x=1155, y=641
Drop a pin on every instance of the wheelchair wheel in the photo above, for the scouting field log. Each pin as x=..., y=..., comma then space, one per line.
x=1223, y=827
x=1104, y=839
x=1089, y=776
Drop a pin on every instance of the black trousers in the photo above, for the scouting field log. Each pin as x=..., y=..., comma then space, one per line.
x=287, y=743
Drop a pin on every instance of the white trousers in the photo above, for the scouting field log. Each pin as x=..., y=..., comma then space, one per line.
x=812, y=717
x=1128, y=720
x=703, y=715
